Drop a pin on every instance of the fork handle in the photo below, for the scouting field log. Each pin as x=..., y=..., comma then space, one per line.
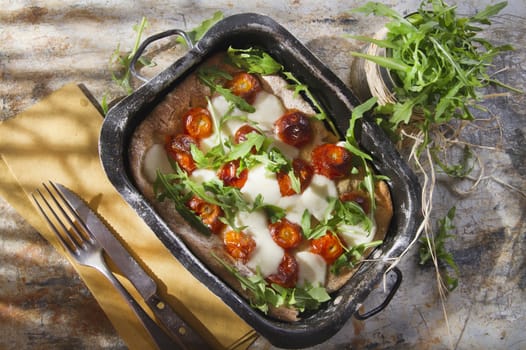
x=161, y=339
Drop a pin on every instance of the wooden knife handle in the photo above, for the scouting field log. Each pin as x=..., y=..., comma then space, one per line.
x=178, y=329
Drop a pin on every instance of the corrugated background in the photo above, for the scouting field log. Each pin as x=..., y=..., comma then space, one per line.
x=46, y=44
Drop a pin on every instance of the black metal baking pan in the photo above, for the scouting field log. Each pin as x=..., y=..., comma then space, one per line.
x=245, y=30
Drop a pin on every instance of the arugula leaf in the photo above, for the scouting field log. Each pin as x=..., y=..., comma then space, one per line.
x=210, y=77
x=169, y=186
x=378, y=9
x=386, y=62
x=198, y=32
x=491, y=10
x=337, y=214
x=243, y=149
x=351, y=257
x=122, y=77
x=274, y=213
x=299, y=87
x=352, y=145
x=378, y=42
x=460, y=170
x=254, y=60
x=230, y=199
x=436, y=246
x=209, y=160
x=350, y=137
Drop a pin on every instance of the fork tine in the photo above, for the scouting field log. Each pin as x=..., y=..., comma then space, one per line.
x=76, y=239
x=84, y=232
x=70, y=245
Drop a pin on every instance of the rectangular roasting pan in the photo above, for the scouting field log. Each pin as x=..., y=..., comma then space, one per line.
x=246, y=30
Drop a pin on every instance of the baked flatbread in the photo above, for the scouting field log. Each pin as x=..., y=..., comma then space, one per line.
x=166, y=120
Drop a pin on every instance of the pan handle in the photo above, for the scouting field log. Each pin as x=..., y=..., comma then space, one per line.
x=150, y=40
x=387, y=299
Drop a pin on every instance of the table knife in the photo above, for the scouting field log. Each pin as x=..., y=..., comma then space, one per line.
x=131, y=269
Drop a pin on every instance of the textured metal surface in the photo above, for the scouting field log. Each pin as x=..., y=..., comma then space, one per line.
x=46, y=44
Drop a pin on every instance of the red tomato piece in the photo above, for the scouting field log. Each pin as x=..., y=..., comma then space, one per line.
x=286, y=234
x=244, y=85
x=208, y=212
x=178, y=148
x=331, y=160
x=239, y=245
x=294, y=128
x=287, y=274
x=359, y=198
x=198, y=122
x=230, y=176
x=328, y=246
x=303, y=171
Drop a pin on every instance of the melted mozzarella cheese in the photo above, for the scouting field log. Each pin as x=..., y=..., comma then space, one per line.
x=219, y=107
x=293, y=208
x=202, y=175
x=288, y=151
x=311, y=268
x=268, y=109
x=314, y=198
x=262, y=181
x=356, y=234
x=155, y=158
x=267, y=255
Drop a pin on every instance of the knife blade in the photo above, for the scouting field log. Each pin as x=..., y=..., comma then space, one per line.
x=131, y=269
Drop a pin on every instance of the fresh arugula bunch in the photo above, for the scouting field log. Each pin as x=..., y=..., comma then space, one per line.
x=437, y=60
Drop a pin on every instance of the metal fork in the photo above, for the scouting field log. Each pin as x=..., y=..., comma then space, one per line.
x=78, y=241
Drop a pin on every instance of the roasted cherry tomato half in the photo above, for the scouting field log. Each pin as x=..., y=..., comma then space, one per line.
x=198, y=122
x=178, y=148
x=286, y=234
x=239, y=245
x=287, y=274
x=303, y=171
x=208, y=212
x=244, y=85
x=328, y=246
x=359, y=198
x=331, y=160
x=231, y=176
x=294, y=128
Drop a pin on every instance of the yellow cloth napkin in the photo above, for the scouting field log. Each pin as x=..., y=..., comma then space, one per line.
x=57, y=139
